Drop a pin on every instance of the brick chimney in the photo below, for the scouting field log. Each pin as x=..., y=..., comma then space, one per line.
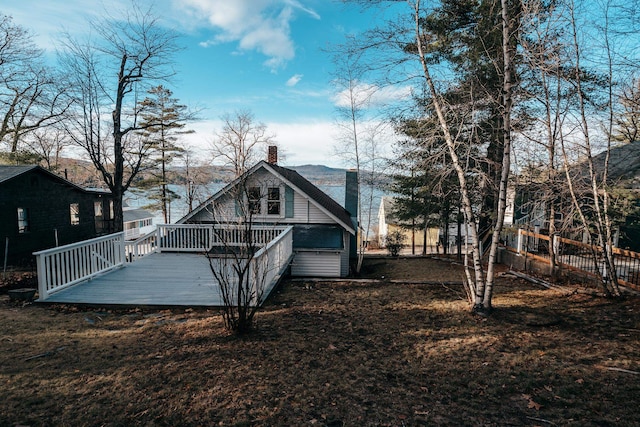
x=272, y=156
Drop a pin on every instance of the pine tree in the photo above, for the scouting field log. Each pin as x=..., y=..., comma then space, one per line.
x=164, y=120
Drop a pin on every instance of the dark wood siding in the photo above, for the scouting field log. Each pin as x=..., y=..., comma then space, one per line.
x=48, y=201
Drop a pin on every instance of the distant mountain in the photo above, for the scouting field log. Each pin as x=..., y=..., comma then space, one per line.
x=320, y=174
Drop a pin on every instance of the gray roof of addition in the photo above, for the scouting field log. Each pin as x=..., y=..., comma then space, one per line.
x=135, y=215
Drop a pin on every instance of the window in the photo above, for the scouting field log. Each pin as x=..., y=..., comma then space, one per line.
x=273, y=201
x=97, y=209
x=23, y=220
x=253, y=196
x=98, y=216
x=74, y=211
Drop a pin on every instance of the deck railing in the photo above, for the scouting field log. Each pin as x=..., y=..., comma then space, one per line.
x=203, y=237
x=270, y=261
x=61, y=267
x=574, y=255
x=64, y=266
x=142, y=246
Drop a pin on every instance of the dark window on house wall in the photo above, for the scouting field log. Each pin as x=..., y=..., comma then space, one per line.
x=23, y=220
x=253, y=196
x=99, y=216
x=74, y=213
x=273, y=201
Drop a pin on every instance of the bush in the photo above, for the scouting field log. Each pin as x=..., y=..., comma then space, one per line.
x=394, y=242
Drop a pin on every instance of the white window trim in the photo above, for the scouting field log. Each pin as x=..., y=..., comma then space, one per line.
x=264, y=201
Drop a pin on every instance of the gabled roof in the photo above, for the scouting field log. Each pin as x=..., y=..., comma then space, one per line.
x=9, y=172
x=296, y=181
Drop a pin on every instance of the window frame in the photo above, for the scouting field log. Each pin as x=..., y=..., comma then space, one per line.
x=261, y=207
x=74, y=220
x=274, y=201
x=24, y=220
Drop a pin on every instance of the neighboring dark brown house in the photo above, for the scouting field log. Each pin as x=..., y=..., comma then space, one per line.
x=40, y=210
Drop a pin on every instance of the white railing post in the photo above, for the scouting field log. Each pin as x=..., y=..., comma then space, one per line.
x=520, y=240
x=67, y=265
x=42, y=284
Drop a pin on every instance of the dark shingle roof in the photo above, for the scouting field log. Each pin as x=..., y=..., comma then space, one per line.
x=8, y=172
x=313, y=192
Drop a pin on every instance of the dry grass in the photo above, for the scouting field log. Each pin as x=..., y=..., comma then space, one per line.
x=331, y=354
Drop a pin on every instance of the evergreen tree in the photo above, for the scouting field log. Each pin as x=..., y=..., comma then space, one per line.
x=425, y=187
x=163, y=119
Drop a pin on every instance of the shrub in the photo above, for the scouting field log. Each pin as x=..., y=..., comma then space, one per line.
x=394, y=242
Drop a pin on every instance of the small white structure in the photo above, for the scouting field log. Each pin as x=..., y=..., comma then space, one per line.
x=136, y=222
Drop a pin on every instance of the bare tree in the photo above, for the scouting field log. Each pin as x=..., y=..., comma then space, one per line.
x=359, y=139
x=109, y=74
x=195, y=178
x=241, y=142
x=31, y=97
x=594, y=214
x=48, y=145
x=241, y=274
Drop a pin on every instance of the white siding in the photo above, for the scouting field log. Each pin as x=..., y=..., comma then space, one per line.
x=344, y=256
x=316, y=216
x=316, y=264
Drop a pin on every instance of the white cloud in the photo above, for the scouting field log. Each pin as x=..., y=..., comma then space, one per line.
x=306, y=142
x=300, y=142
x=260, y=25
x=294, y=80
x=368, y=95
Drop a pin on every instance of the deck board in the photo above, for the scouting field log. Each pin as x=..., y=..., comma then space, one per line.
x=166, y=279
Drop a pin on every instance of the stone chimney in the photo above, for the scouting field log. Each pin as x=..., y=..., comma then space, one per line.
x=272, y=156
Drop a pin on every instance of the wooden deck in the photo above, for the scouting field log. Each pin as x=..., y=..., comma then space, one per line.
x=159, y=279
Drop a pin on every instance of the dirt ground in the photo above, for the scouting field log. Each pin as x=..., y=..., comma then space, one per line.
x=400, y=351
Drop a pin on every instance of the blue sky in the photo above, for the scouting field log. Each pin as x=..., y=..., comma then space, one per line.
x=262, y=55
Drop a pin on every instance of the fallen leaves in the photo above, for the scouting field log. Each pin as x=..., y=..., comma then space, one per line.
x=531, y=404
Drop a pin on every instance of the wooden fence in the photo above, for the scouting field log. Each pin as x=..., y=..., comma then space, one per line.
x=574, y=255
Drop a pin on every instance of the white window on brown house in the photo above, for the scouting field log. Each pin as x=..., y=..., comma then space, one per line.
x=23, y=220
x=273, y=201
x=74, y=212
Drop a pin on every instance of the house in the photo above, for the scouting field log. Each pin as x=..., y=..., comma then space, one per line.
x=41, y=210
x=323, y=231
x=388, y=222
x=136, y=222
